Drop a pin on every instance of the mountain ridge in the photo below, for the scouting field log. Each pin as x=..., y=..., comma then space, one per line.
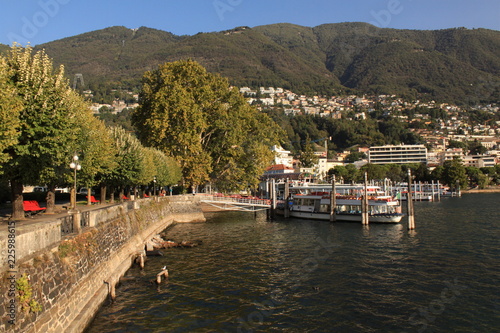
x=449, y=65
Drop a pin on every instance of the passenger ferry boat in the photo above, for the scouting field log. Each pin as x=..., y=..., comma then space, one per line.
x=313, y=202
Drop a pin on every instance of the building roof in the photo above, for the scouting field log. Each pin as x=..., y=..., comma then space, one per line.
x=278, y=167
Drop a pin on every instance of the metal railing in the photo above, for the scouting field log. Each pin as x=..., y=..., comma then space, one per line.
x=237, y=200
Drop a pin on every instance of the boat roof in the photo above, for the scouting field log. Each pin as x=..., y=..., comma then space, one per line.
x=337, y=186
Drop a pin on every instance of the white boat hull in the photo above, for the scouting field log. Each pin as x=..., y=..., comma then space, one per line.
x=382, y=218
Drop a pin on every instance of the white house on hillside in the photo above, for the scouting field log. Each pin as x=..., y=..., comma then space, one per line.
x=282, y=156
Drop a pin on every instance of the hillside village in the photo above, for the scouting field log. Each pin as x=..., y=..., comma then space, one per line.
x=455, y=127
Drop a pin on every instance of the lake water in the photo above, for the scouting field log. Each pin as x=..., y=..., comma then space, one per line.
x=293, y=275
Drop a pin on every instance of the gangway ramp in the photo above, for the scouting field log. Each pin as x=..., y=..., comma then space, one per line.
x=235, y=203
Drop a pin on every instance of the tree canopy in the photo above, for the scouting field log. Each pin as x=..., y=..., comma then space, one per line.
x=44, y=123
x=47, y=124
x=10, y=106
x=205, y=124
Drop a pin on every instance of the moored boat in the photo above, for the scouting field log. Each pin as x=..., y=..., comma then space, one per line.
x=313, y=202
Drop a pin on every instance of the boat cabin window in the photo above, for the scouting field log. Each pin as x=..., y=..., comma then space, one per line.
x=303, y=202
x=324, y=208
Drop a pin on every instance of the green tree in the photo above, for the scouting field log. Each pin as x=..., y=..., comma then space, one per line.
x=473, y=175
x=422, y=173
x=477, y=177
x=352, y=173
x=374, y=171
x=307, y=157
x=454, y=172
x=495, y=176
x=476, y=148
x=457, y=144
x=437, y=173
x=168, y=171
x=395, y=173
x=355, y=156
x=129, y=160
x=47, y=125
x=10, y=106
x=205, y=124
x=340, y=172
x=96, y=150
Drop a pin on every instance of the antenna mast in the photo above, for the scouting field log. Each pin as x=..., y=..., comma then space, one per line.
x=75, y=80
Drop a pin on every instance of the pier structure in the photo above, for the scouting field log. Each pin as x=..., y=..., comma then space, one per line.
x=235, y=203
x=420, y=191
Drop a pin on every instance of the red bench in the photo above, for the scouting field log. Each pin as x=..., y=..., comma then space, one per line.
x=124, y=197
x=93, y=199
x=32, y=207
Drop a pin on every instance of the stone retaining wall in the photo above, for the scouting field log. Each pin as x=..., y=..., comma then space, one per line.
x=71, y=278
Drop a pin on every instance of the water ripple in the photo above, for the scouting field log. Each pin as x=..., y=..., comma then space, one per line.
x=255, y=275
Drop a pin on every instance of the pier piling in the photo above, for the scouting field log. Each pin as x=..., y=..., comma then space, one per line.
x=409, y=201
x=364, y=203
x=286, y=198
x=273, y=199
x=333, y=201
x=439, y=191
x=163, y=273
x=141, y=261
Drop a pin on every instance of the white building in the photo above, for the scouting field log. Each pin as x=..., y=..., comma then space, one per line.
x=282, y=156
x=450, y=154
x=479, y=161
x=324, y=165
x=402, y=154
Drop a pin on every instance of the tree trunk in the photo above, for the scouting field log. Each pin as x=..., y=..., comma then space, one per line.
x=112, y=195
x=51, y=199
x=17, y=200
x=89, y=194
x=103, y=194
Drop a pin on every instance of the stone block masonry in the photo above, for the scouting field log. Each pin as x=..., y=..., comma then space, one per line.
x=69, y=280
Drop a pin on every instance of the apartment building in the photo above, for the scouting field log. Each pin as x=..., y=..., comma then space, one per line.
x=402, y=154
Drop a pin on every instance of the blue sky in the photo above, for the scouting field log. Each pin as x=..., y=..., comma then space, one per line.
x=40, y=21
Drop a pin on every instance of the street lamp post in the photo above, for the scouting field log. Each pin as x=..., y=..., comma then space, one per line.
x=75, y=166
x=154, y=186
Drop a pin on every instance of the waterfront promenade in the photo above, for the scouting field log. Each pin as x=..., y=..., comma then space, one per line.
x=59, y=212
x=63, y=258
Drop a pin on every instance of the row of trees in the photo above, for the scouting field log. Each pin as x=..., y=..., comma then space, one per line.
x=44, y=123
x=192, y=127
x=450, y=173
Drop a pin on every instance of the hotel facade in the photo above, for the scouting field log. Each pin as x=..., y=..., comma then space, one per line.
x=402, y=154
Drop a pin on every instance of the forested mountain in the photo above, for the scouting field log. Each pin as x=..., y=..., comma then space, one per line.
x=3, y=48
x=454, y=65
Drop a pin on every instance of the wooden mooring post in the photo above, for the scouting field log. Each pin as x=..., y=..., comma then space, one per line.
x=333, y=201
x=268, y=189
x=439, y=191
x=140, y=259
x=409, y=201
x=273, y=201
x=271, y=187
x=364, y=203
x=432, y=190
x=286, y=199
x=164, y=273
